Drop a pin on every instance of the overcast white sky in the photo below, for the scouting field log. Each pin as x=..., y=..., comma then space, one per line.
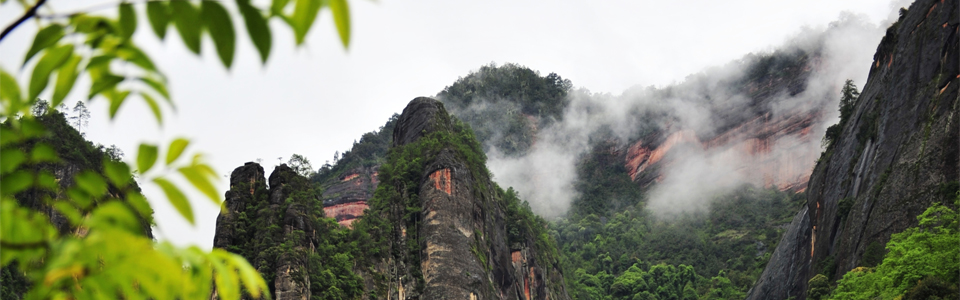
x=319, y=98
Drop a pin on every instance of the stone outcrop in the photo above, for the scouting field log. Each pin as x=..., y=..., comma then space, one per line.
x=346, y=199
x=464, y=253
x=897, y=154
x=244, y=226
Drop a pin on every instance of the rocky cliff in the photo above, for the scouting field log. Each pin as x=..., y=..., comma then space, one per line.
x=426, y=224
x=275, y=228
x=895, y=156
x=455, y=233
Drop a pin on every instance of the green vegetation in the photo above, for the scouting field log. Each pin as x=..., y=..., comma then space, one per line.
x=506, y=104
x=259, y=237
x=922, y=262
x=848, y=98
x=369, y=152
x=85, y=237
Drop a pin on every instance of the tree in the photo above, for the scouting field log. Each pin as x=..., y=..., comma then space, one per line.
x=301, y=165
x=818, y=287
x=115, y=259
x=80, y=117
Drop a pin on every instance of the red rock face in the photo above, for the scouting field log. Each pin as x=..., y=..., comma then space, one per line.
x=441, y=181
x=346, y=199
x=770, y=151
x=346, y=213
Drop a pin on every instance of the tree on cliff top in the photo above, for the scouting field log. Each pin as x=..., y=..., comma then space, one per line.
x=115, y=258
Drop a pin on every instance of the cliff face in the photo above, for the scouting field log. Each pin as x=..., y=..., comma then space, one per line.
x=462, y=249
x=897, y=154
x=768, y=148
x=346, y=199
x=274, y=228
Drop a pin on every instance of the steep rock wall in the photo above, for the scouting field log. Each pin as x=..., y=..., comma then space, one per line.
x=897, y=154
x=462, y=231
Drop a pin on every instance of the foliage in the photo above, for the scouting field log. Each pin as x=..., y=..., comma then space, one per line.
x=818, y=287
x=301, y=165
x=106, y=253
x=607, y=231
x=505, y=104
x=917, y=259
x=848, y=98
x=370, y=151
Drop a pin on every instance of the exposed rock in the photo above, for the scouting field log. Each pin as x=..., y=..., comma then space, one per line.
x=789, y=263
x=897, y=154
x=250, y=199
x=346, y=199
x=463, y=243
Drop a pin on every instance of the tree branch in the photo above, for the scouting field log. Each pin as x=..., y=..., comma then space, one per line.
x=26, y=16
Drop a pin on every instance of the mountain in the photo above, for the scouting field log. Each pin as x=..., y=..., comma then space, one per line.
x=436, y=226
x=895, y=155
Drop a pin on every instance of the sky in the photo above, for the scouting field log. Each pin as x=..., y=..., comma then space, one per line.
x=319, y=98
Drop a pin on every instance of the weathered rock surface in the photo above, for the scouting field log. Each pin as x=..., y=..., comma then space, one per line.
x=464, y=253
x=896, y=155
x=250, y=199
x=346, y=199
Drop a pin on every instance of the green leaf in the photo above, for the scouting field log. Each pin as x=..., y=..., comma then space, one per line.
x=131, y=53
x=201, y=182
x=9, y=89
x=277, y=6
x=106, y=82
x=43, y=153
x=153, y=107
x=70, y=211
x=176, y=148
x=157, y=86
x=225, y=278
x=117, y=172
x=140, y=204
x=47, y=181
x=146, y=157
x=257, y=28
x=186, y=18
x=159, y=17
x=304, y=13
x=15, y=182
x=177, y=199
x=100, y=60
x=49, y=62
x=128, y=20
x=217, y=21
x=66, y=77
x=251, y=279
x=114, y=214
x=92, y=183
x=10, y=159
x=46, y=37
x=341, y=16
x=116, y=99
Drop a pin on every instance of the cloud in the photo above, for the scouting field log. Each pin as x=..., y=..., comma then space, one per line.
x=712, y=104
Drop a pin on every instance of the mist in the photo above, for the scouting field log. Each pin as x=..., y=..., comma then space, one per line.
x=709, y=159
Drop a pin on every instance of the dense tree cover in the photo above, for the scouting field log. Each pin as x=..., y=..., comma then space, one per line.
x=506, y=104
x=608, y=239
x=921, y=262
x=262, y=240
x=370, y=151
